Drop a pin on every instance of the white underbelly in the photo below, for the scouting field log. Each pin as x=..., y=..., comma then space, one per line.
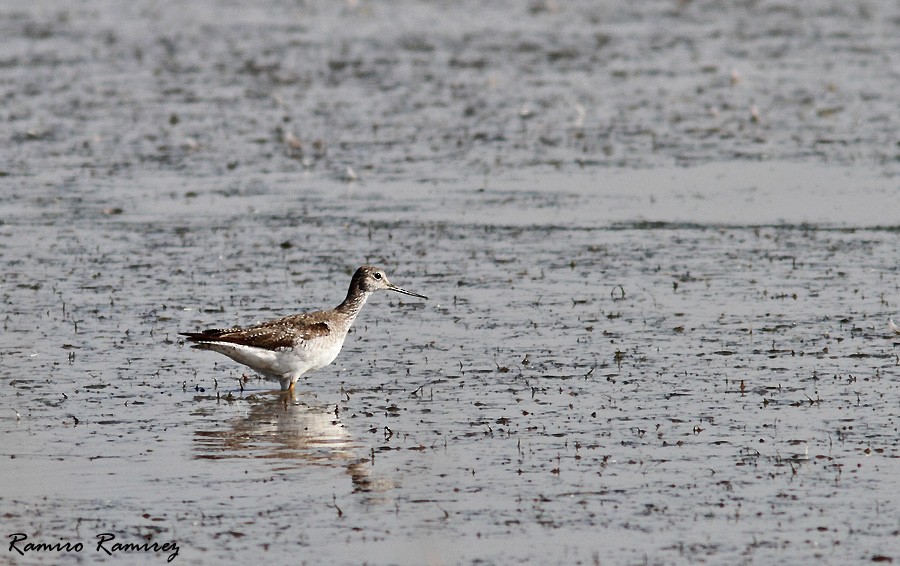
x=312, y=356
x=286, y=363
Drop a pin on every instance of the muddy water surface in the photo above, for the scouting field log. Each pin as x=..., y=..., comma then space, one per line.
x=623, y=359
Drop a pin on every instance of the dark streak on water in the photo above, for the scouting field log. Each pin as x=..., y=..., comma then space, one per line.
x=664, y=365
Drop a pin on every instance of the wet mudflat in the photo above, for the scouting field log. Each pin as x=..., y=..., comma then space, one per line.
x=623, y=359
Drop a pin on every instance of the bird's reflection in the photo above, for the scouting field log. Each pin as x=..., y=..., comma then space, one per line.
x=280, y=427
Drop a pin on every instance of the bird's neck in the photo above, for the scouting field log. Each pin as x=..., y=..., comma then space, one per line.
x=351, y=306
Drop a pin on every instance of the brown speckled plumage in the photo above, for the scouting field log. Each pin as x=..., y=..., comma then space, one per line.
x=272, y=335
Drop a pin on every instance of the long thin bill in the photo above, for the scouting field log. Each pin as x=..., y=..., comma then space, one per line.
x=405, y=292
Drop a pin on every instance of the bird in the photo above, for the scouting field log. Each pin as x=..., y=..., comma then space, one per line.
x=283, y=350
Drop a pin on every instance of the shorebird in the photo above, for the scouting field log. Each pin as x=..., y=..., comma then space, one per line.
x=283, y=350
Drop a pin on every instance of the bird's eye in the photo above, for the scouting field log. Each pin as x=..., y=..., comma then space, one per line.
x=376, y=275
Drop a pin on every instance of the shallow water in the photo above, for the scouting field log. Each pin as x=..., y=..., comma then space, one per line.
x=623, y=359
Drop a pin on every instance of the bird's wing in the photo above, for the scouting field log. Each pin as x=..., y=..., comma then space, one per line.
x=283, y=333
